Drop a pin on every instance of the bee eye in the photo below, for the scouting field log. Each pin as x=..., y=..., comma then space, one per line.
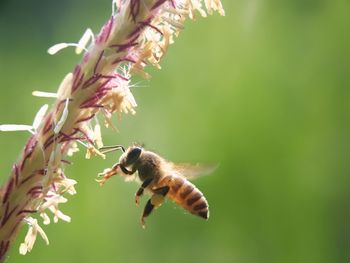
x=133, y=155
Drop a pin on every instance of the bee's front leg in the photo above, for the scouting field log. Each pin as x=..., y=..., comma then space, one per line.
x=124, y=170
x=108, y=173
x=139, y=192
x=156, y=201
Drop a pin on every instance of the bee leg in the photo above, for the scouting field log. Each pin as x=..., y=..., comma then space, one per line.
x=139, y=192
x=108, y=173
x=158, y=196
x=156, y=201
x=146, y=211
x=124, y=170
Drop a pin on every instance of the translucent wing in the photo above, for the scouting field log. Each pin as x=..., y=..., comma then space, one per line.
x=192, y=171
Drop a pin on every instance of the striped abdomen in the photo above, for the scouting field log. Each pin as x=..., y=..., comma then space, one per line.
x=185, y=194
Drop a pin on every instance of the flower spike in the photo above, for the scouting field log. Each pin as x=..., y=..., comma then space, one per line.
x=137, y=34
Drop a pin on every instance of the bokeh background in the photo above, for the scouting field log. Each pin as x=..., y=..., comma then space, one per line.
x=264, y=91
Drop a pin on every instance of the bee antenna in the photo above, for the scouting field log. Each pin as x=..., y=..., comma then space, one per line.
x=111, y=148
x=122, y=148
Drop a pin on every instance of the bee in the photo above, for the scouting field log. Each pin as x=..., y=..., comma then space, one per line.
x=161, y=178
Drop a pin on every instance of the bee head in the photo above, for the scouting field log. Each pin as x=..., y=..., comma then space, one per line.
x=132, y=155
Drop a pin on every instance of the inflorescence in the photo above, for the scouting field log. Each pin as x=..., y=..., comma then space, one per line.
x=137, y=34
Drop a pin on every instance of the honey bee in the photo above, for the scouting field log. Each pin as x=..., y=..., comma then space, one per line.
x=161, y=178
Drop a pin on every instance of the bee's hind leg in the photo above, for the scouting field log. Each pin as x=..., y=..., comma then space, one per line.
x=158, y=196
x=156, y=201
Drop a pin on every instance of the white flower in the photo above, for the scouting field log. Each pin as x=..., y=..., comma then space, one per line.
x=30, y=238
x=40, y=116
x=72, y=149
x=98, y=136
x=53, y=200
x=63, y=118
x=68, y=186
x=59, y=215
x=64, y=88
x=45, y=217
x=44, y=94
x=52, y=203
x=120, y=97
x=87, y=36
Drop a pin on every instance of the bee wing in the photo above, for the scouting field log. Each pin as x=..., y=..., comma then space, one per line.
x=192, y=171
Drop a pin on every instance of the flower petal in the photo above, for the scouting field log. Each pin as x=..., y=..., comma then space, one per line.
x=15, y=127
x=40, y=116
x=84, y=40
x=44, y=94
x=55, y=48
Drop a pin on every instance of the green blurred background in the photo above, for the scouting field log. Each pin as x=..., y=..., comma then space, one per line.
x=263, y=91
